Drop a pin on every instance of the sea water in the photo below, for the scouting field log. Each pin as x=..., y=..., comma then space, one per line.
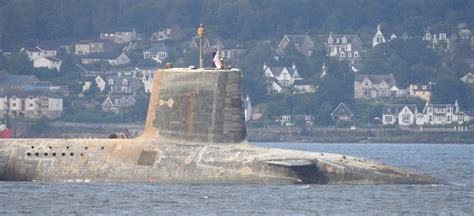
x=452, y=163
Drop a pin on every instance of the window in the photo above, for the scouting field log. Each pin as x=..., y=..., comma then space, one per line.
x=330, y=41
x=406, y=118
x=111, y=82
x=124, y=82
x=389, y=119
x=344, y=40
x=356, y=54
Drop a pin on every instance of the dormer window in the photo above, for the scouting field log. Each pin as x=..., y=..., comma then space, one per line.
x=111, y=82
x=344, y=40
x=124, y=82
x=330, y=40
x=356, y=54
x=349, y=55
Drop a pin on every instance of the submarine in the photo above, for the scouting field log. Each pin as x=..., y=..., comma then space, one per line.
x=194, y=133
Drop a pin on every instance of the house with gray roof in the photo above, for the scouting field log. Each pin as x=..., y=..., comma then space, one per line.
x=159, y=52
x=8, y=82
x=31, y=104
x=302, y=43
x=278, y=78
x=123, y=84
x=373, y=86
x=344, y=47
x=113, y=58
x=399, y=114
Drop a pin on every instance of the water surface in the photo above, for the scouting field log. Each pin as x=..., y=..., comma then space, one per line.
x=452, y=163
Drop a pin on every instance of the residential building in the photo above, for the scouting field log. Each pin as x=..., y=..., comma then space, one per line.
x=344, y=47
x=159, y=52
x=279, y=78
x=302, y=43
x=420, y=91
x=120, y=37
x=172, y=33
x=88, y=47
x=342, y=113
x=437, y=39
x=379, y=37
x=116, y=103
x=123, y=85
x=113, y=59
x=289, y=120
x=194, y=44
x=373, y=86
x=399, y=114
x=31, y=104
x=51, y=63
x=37, y=52
x=442, y=114
x=468, y=78
x=9, y=82
x=86, y=82
x=231, y=54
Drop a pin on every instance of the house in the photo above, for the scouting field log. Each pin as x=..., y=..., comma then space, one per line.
x=159, y=52
x=122, y=85
x=37, y=52
x=442, y=114
x=8, y=82
x=437, y=39
x=88, y=47
x=31, y=104
x=231, y=54
x=396, y=91
x=304, y=86
x=174, y=32
x=289, y=120
x=279, y=78
x=342, y=113
x=373, y=86
x=468, y=78
x=194, y=44
x=302, y=43
x=51, y=63
x=344, y=47
x=379, y=37
x=247, y=109
x=420, y=91
x=113, y=59
x=86, y=82
x=116, y=103
x=120, y=37
x=401, y=114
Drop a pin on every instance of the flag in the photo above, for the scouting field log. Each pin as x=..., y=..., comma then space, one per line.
x=217, y=61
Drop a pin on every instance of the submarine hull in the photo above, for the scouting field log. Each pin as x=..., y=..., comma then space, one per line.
x=146, y=161
x=194, y=133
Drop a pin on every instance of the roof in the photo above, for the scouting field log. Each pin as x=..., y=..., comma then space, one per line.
x=277, y=70
x=88, y=67
x=350, y=37
x=159, y=47
x=104, y=55
x=30, y=93
x=17, y=80
x=376, y=78
x=303, y=82
x=32, y=49
x=341, y=110
x=133, y=82
x=53, y=59
x=298, y=39
x=394, y=109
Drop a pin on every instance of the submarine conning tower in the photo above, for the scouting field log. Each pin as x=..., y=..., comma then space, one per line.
x=196, y=105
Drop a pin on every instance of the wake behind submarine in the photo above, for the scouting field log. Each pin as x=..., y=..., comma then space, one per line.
x=194, y=133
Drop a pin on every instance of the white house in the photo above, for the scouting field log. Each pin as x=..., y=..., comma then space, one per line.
x=52, y=63
x=437, y=39
x=442, y=114
x=88, y=47
x=401, y=114
x=38, y=52
x=468, y=78
x=116, y=103
x=88, y=80
x=279, y=78
x=31, y=104
x=344, y=47
x=159, y=52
